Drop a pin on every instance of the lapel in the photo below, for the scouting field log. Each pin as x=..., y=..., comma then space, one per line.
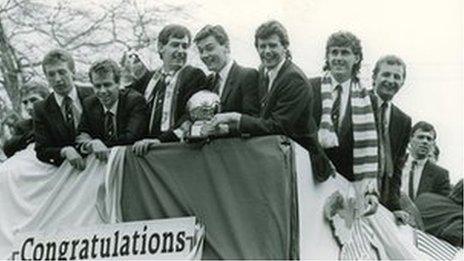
x=277, y=82
x=229, y=84
x=55, y=115
x=424, y=182
x=120, y=111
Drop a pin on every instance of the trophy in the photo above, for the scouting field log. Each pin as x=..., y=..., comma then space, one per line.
x=202, y=107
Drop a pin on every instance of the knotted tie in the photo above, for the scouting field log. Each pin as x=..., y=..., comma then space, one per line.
x=335, y=113
x=69, y=114
x=216, y=83
x=411, y=179
x=109, y=126
x=156, y=106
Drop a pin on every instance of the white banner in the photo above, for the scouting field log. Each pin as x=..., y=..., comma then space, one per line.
x=175, y=238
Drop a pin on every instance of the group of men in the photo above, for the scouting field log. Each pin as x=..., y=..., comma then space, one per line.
x=346, y=128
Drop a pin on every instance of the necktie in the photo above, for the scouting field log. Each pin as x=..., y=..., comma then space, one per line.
x=216, y=83
x=110, y=130
x=411, y=179
x=69, y=114
x=265, y=87
x=335, y=113
x=157, y=107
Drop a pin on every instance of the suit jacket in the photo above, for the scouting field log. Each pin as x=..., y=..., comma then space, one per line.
x=131, y=118
x=189, y=81
x=240, y=92
x=141, y=84
x=50, y=131
x=286, y=110
x=399, y=132
x=434, y=179
x=24, y=135
x=341, y=156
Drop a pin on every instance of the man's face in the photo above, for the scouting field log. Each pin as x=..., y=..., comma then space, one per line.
x=106, y=89
x=59, y=77
x=341, y=61
x=213, y=54
x=174, y=53
x=29, y=100
x=134, y=66
x=388, y=80
x=422, y=143
x=271, y=51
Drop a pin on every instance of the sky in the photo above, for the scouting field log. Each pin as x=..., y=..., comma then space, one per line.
x=428, y=35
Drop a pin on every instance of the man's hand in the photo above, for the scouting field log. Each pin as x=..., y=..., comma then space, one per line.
x=141, y=147
x=402, y=218
x=99, y=149
x=372, y=203
x=225, y=118
x=74, y=158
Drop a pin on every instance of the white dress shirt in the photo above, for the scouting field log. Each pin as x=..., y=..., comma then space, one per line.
x=417, y=174
x=76, y=105
x=345, y=95
x=223, y=74
x=272, y=74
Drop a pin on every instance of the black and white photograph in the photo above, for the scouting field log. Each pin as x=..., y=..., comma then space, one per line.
x=211, y=129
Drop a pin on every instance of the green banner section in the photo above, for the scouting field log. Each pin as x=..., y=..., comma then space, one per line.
x=242, y=190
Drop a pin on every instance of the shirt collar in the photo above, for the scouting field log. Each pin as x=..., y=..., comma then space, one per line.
x=272, y=73
x=380, y=101
x=72, y=94
x=345, y=85
x=113, y=108
x=420, y=162
x=226, y=69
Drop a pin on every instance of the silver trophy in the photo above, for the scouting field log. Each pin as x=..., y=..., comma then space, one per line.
x=202, y=107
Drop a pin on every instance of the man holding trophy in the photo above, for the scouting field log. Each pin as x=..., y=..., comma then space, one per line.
x=285, y=96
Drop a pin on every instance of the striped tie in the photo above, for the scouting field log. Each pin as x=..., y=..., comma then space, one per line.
x=411, y=179
x=69, y=114
x=335, y=113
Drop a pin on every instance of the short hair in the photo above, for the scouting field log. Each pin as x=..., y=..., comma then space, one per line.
x=58, y=55
x=424, y=126
x=35, y=87
x=270, y=28
x=390, y=60
x=345, y=39
x=105, y=66
x=216, y=31
x=173, y=30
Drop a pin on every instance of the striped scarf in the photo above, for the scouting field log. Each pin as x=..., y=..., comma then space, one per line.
x=365, y=150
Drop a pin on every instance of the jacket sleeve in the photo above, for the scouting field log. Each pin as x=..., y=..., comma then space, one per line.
x=45, y=152
x=250, y=100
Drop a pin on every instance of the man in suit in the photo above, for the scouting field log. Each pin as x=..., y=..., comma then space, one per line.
x=123, y=112
x=32, y=92
x=286, y=99
x=56, y=118
x=393, y=125
x=236, y=86
x=169, y=89
x=419, y=174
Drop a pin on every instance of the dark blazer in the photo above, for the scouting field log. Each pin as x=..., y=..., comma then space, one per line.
x=190, y=81
x=50, y=131
x=399, y=131
x=341, y=156
x=287, y=110
x=131, y=118
x=434, y=179
x=24, y=135
x=240, y=92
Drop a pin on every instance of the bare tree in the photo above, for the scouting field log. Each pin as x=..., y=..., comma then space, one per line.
x=28, y=29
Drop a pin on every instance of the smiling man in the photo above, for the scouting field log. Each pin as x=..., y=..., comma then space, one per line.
x=285, y=96
x=56, y=118
x=236, y=86
x=169, y=88
x=113, y=116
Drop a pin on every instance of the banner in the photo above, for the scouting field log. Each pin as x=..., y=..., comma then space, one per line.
x=155, y=239
x=242, y=190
